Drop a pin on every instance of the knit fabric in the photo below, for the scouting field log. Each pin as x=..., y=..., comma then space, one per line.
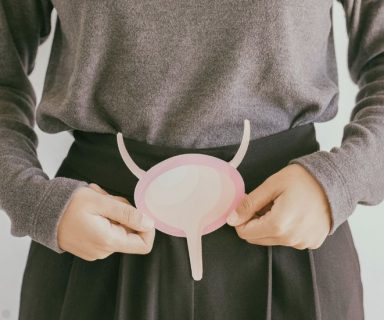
x=186, y=73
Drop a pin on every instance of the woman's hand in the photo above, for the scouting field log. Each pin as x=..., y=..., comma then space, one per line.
x=96, y=224
x=289, y=208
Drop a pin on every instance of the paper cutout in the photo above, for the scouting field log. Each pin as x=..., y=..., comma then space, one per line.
x=189, y=195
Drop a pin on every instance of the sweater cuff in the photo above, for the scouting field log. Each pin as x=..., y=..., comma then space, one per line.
x=322, y=167
x=52, y=206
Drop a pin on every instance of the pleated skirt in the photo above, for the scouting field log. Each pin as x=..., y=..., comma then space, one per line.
x=241, y=281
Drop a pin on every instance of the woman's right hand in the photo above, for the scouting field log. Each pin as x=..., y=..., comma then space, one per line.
x=96, y=224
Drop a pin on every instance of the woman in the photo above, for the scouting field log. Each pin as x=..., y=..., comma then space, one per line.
x=180, y=77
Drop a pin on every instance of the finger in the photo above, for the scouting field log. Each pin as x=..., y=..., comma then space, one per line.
x=130, y=242
x=148, y=237
x=86, y=257
x=119, y=198
x=91, y=254
x=271, y=241
x=97, y=188
x=104, y=254
x=276, y=241
x=267, y=241
x=100, y=254
x=128, y=229
x=126, y=215
x=255, y=201
x=258, y=228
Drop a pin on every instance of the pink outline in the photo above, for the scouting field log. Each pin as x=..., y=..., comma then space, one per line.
x=182, y=159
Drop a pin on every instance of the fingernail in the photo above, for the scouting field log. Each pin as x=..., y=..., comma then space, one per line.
x=233, y=217
x=147, y=222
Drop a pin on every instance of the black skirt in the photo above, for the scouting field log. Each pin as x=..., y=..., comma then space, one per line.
x=241, y=281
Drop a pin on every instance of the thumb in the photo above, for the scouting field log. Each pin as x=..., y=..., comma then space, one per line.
x=126, y=214
x=253, y=202
x=99, y=189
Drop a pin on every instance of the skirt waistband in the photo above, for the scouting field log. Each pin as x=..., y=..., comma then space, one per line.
x=95, y=156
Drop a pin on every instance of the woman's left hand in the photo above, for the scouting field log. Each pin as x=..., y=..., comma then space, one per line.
x=289, y=208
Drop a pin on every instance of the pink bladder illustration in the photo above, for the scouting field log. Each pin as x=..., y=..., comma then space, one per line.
x=189, y=195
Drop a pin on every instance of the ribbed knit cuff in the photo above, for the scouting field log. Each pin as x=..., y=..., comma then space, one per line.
x=50, y=210
x=321, y=167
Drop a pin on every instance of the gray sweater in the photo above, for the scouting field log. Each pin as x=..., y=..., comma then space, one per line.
x=186, y=73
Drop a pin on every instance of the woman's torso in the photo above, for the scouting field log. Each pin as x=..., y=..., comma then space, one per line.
x=186, y=73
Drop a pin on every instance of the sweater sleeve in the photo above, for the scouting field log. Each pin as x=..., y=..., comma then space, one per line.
x=33, y=202
x=353, y=173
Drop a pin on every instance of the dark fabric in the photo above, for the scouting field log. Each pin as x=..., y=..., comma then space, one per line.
x=240, y=280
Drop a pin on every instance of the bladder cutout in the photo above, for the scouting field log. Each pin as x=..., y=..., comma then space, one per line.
x=189, y=195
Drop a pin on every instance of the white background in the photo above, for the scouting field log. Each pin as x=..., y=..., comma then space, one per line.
x=366, y=222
